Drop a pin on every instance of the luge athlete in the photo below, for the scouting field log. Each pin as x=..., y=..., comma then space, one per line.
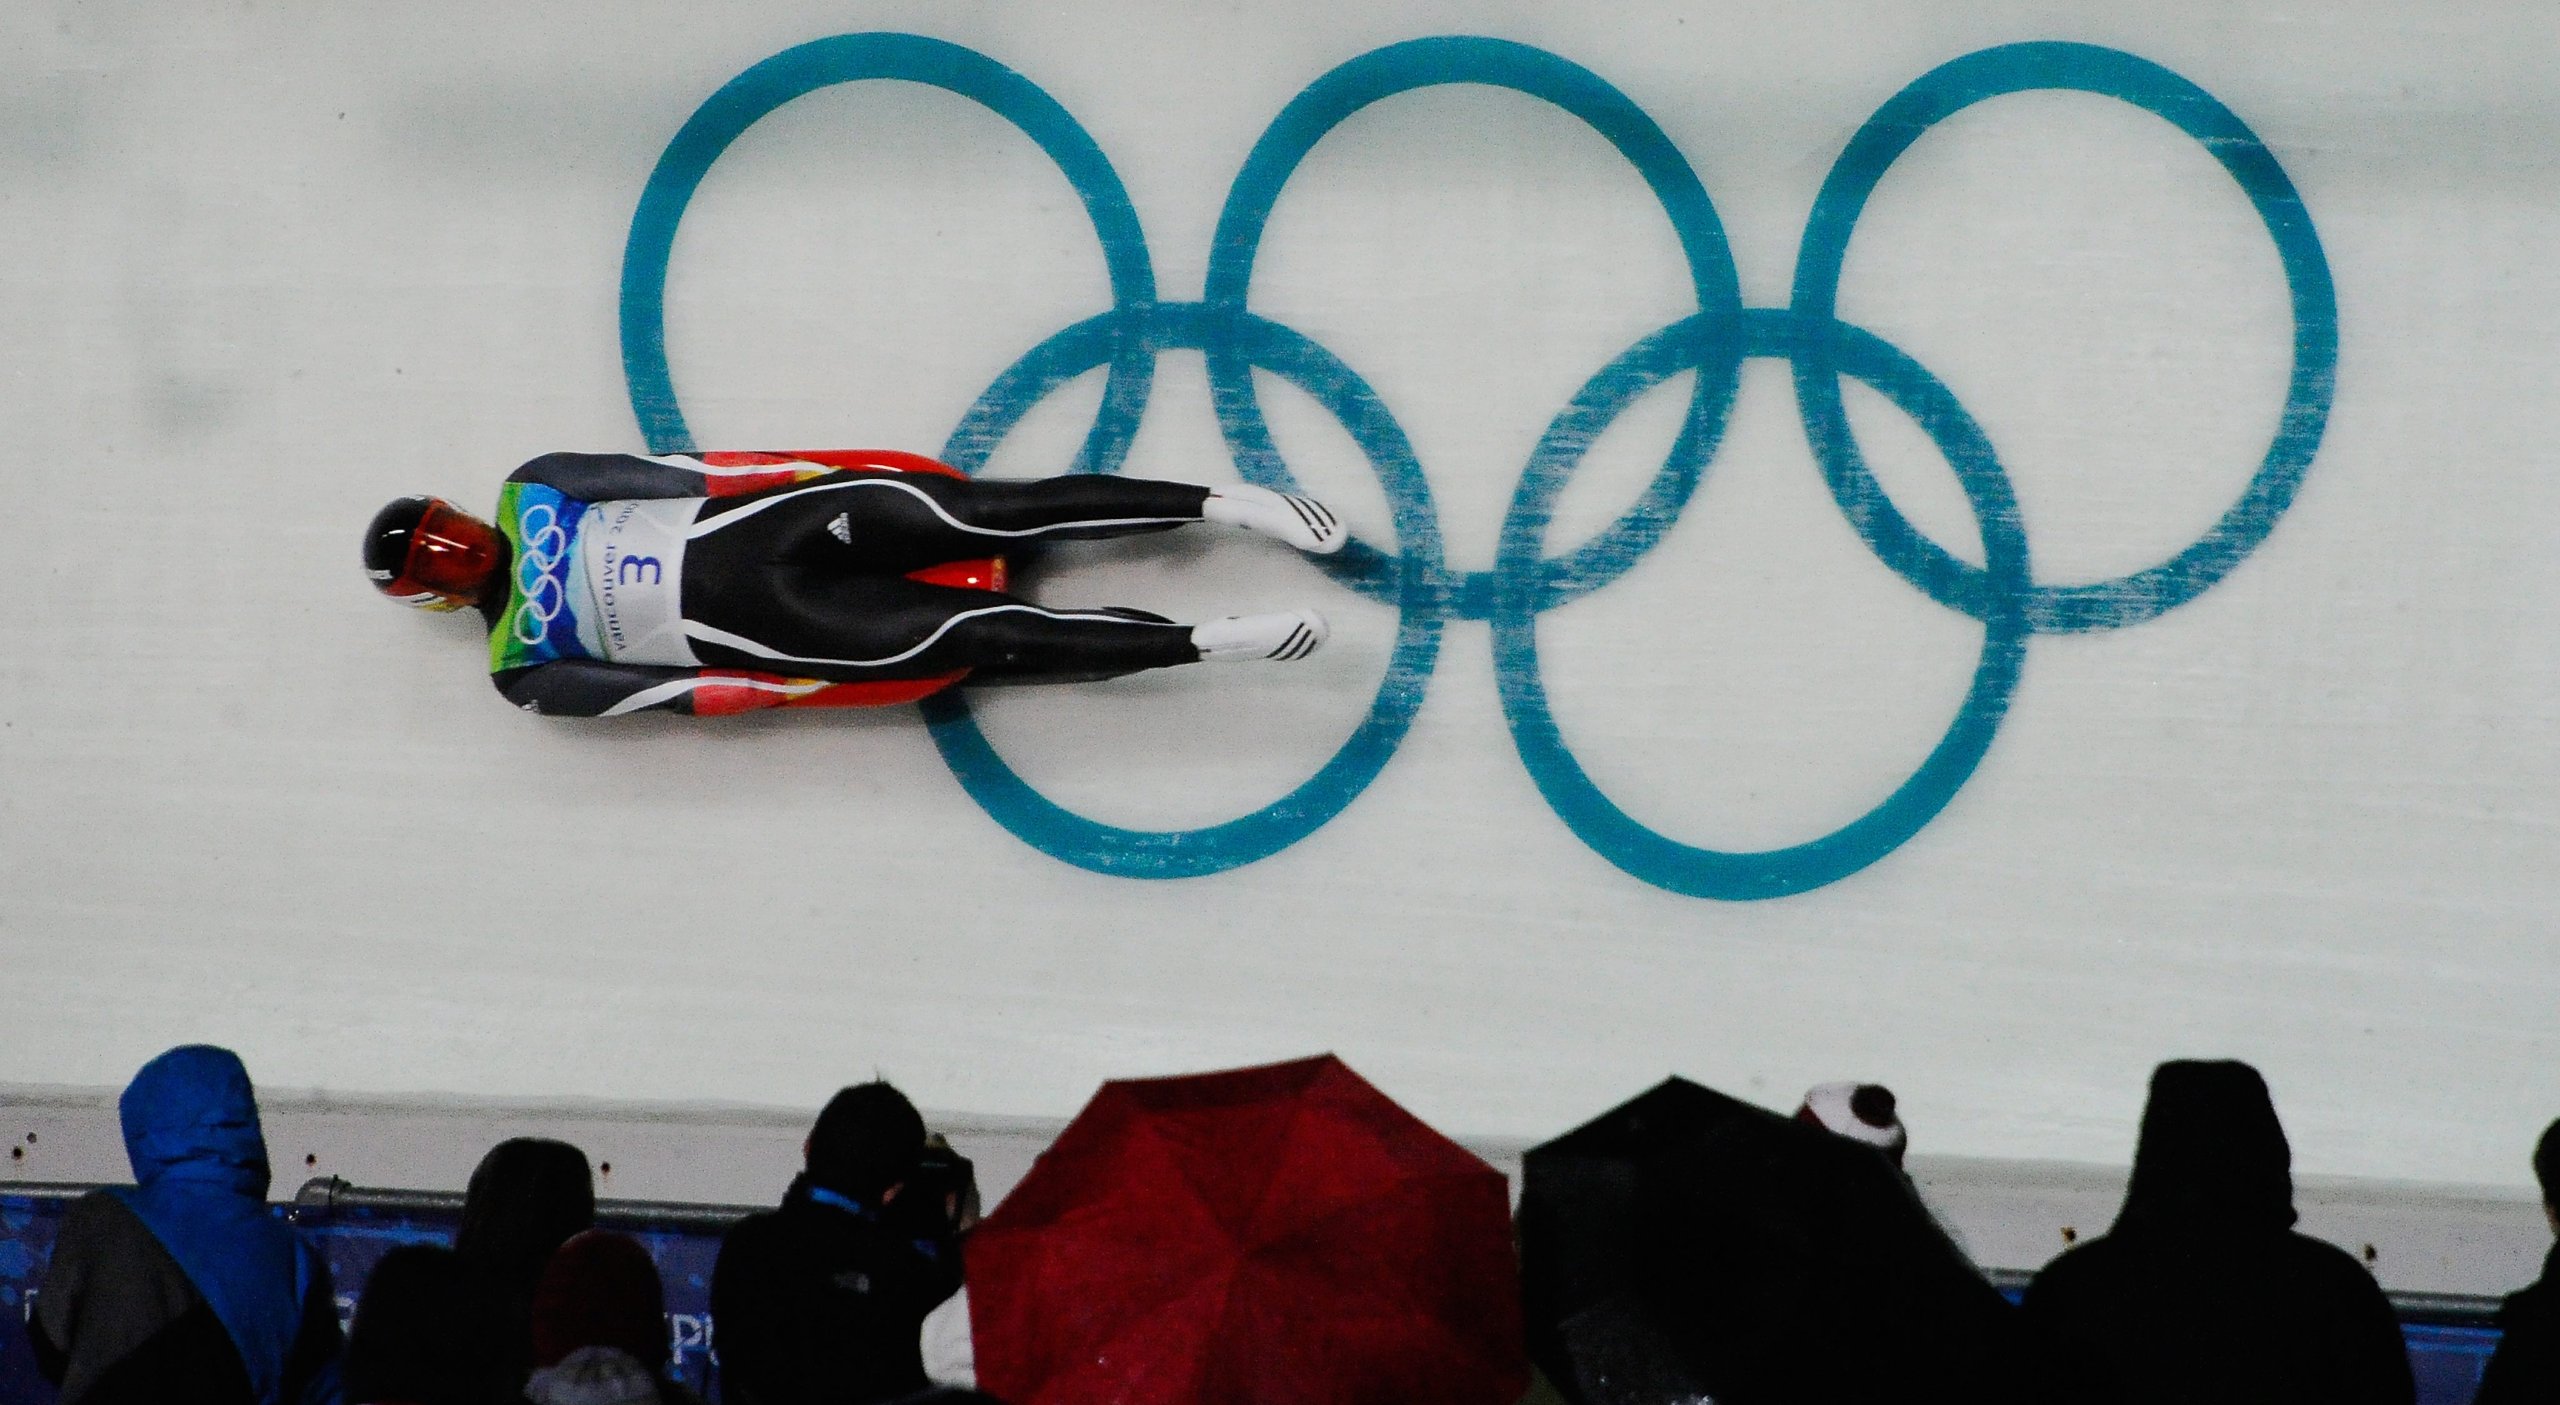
x=705, y=583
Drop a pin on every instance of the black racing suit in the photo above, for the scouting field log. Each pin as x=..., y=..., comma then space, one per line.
x=719, y=582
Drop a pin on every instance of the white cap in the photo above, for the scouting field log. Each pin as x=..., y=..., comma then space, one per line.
x=1862, y=1112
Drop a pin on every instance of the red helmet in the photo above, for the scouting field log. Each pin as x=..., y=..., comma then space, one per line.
x=428, y=553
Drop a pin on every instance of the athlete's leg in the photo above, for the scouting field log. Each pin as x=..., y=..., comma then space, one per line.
x=851, y=628
x=1072, y=506
x=897, y=522
x=854, y=628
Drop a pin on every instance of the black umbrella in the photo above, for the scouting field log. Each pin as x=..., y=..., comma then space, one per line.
x=1688, y=1246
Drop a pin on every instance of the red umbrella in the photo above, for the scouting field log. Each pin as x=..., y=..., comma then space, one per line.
x=1267, y=1236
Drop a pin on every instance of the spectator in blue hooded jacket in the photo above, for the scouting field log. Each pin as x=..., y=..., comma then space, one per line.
x=185, y=1286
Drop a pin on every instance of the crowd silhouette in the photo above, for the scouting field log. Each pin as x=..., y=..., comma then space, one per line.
x=1770, y=1260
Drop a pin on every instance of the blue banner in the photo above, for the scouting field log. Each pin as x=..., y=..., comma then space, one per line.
x=2447, y=1358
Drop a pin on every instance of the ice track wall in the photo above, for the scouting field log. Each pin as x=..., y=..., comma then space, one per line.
x=1979, y=549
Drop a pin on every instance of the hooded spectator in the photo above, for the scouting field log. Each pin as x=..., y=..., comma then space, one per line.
x=427, y=1333
x=2526, y=1369
x=2202, y=1293
x=1862, y=1112
x=526, y=1198
x=186, y=1286
x=600, y=1327
x=823, y=1299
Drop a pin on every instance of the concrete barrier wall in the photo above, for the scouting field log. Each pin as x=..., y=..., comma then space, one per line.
x=2112, y=619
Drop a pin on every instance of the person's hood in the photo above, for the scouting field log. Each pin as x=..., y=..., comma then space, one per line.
x=191, y=1116
x=191, y=1130
x=601, y=1289
x=2212, y=1155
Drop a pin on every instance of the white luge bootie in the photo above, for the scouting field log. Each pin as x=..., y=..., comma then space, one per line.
x=1304, y=523
x=1285, y=637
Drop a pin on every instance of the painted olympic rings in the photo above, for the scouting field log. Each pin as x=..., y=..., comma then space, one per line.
x=1714, y=342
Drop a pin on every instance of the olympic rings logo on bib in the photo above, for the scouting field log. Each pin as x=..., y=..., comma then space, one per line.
x=545, y=555
x=1524, y=581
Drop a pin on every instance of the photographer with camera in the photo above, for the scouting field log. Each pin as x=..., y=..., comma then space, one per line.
x=822, y=1301
x=948, y=1180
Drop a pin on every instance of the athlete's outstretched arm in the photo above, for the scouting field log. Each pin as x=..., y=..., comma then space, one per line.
x=594, y=688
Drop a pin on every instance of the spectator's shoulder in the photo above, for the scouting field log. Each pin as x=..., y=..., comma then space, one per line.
x=2073, y=1268
x=2536, y=1306
x=103, y=1238
x=2324, y=1273
x=100, y=1213
x=754, y=1232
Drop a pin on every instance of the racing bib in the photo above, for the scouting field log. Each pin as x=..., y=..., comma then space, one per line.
x=631, y=561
